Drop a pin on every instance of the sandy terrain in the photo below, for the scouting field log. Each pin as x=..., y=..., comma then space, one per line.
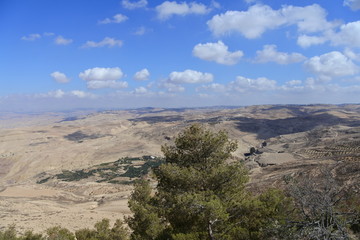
x=38, y=209
x=33, y=147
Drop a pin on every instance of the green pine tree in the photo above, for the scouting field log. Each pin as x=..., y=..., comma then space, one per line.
x=146, y=222
x=200, y=195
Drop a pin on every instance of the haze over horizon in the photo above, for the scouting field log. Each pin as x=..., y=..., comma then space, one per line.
x=64, y=55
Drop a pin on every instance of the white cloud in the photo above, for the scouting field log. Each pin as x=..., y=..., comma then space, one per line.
x=348, y=35
x=142, y=75
x=252, y=23
x=308, y=19
x=109, y=42
x=355, y=79
x=31, y=37
x=118, y=18
x=168, y=9
x=101, y=74
x=96, y=84
x=293, y=83
x=215, y=4
x=242, y=84
x=351, y=54
x=270, y=54
x=217, y=52
x=54, y=94
x=330, y=65
x=307, y=41
x=60, y=40
x=260, y=18
x=140, y=90
x=57, y=94
x=293, y=86
x=61, y=94
x=103, y=78
x=60, y=77
x=172, y=87
x=353, y=4
x=215, y=87
x=132, y=5
x=82, y=94
x=190, y=76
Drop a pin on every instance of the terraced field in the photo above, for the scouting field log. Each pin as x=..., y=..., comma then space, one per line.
x=341, y=145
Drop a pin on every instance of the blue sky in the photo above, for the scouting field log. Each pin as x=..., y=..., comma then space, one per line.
x=66, y=54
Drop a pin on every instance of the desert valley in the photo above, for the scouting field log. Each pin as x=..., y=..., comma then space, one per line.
x=73, y=169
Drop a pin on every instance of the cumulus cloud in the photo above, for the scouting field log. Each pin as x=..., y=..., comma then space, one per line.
x=60, y=77
x=53, y=94
x=107, y=41
x=331, y=65
x=308, y=19
x=270, y=54
x=140, y=90
x=307, y=41
x=260, y=18
x=353, y=4
x=95, y=84
x=101, y=74
x=168, y=9
x=118, y=18
x=57, y=94
x=103, y=78
x=217, y=52
x=133, y=5
x=349, y=35
x=190, y=76
x=351, y=54
x=172, y=87
x=243, y=84
x=31, y=37
x=60, y=40
x=142, y=75
x=252, y=23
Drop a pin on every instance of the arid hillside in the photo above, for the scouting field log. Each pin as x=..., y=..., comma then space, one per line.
x=73, y=169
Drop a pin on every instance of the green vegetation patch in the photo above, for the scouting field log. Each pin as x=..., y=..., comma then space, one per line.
x=70, y=176
x=108, y=172
x=136, y=172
